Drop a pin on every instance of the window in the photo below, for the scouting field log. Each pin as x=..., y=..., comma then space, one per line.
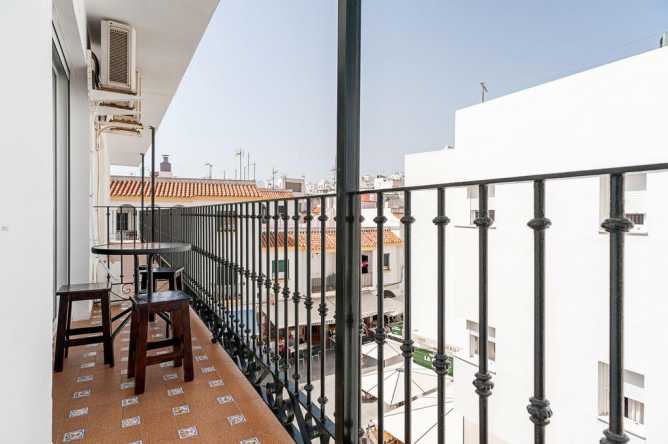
x=283, y=266
x=636, y=218
x=474, y=340
x=634, y=385
x=121, y=221
x=472, y=197
x=635, y=194
x=386, y=261
x=634, y=410
x=61, y=167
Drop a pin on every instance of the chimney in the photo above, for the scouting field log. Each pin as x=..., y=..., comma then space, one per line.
x=165, y=167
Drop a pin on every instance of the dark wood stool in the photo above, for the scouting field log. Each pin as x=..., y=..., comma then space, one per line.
x=176, y=304
x=174, y=277
x=64, y=339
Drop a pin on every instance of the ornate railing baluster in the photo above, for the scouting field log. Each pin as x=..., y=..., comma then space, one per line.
x=322, y=308
x=253, y=276
x=380, y=220
x=286, y=292
x=246, y=274
x=242, y=273
x=220, y=274
x=260, y=281
x=308, y=304
x=237, y=272
x=267, y=281
x=617, y=225
x=440, y=362
x=483, y=379
x=407, y=345
x=276, y=288
x=539, y=407
x=226, y=267
x=295, y=293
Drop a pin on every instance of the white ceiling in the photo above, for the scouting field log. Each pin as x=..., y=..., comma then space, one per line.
x=167, y=32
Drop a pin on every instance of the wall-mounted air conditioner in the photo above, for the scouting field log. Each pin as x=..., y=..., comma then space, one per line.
x=118, y=56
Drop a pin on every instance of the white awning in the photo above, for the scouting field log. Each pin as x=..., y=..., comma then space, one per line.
x=390, y=350
x=423, y=381
x=424, y=421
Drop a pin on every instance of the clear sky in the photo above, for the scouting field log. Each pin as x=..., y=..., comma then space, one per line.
x=264, y=76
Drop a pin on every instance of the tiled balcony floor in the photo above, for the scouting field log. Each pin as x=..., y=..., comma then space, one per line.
x=219, y=406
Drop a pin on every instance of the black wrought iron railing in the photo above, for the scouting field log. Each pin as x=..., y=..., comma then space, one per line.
x=250, y=273
x=118, y=224
x=249, y=285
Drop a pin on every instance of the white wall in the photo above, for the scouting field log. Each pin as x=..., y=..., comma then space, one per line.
x=608, y=116
x=26, y=222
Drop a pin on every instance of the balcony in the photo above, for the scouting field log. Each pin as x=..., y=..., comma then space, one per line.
x=304, y=329
x=282, y=330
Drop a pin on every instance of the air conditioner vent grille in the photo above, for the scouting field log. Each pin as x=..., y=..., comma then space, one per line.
x=118, y=56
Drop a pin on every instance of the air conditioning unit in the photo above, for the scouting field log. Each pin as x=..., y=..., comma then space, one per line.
x=118, y=57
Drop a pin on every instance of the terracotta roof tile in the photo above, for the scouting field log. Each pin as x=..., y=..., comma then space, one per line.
x=184, y=188
x=368, y=239
x=267, y=193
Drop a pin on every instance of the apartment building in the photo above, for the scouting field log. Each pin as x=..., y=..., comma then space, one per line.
x=608, y=116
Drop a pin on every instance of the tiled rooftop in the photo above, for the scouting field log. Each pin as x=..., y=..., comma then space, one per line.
x=182, y=187
x=94, y=403
x=368, y=240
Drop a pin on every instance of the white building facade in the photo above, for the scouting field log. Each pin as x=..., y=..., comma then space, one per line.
x=609, y=116
x=57, y=160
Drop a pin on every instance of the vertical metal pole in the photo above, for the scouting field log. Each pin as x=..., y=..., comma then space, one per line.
x=141, y=188
x=539, y=407
x=121, y=220
x=440, y=362
x=308, y=304
x=152, y=185
x=380, y=220
x=322, y=308
x=108, y=240
x=277, y=355
x=260, y=279
x=483, y=380
x=407, y=345
x=348, y=227
x=286, y=293
x=267, y=281
x=247, y=274
x=253, y=276
x=295, y=293
x=239, y=329
x=617, y=225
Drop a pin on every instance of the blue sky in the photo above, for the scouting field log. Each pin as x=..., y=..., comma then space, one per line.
x=264, y=76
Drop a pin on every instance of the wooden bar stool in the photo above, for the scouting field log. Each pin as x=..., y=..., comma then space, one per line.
x=176, y=304
x=174, y=276
x=64, y=339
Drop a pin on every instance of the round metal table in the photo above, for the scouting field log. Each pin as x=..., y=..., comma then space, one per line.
x=135, y=249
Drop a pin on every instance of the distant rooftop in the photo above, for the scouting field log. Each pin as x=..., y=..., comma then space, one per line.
x=191, y=188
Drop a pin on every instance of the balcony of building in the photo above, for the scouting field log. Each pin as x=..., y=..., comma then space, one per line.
x=312, y=321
